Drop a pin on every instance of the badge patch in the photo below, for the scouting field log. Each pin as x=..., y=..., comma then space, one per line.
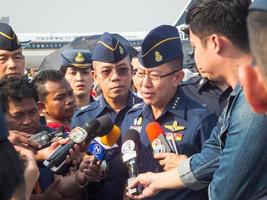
x=175, y=127
x=137, y=124
x=178, y=136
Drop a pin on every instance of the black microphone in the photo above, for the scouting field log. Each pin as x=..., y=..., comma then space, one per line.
x=93, y=128
x=130, y=149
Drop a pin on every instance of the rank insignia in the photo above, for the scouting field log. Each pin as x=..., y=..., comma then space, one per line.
x=79, y=58
x=175, y=127
x=158, y=56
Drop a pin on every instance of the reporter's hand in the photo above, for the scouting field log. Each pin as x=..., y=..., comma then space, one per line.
x=44, y=153
x=22, y=139
x=88, y=172
x=169, y=160
x=74, y=157
x=149, y=183
x=31, y=171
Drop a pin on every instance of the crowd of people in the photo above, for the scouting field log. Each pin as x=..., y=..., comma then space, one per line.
x=214, y=122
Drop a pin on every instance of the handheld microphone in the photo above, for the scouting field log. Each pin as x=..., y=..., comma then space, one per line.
x=96, y=127
x=156, y=136
x=105, y=147
x=130, y=150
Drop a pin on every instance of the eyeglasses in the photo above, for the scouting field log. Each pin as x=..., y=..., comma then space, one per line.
x=153, y=77
x=121, y=71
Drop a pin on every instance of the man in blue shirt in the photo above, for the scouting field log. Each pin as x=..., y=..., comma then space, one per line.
x=164, y=102
x=233, y=156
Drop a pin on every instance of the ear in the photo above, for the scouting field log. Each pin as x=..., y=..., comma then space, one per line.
x=178, y=77
x=41, y=107
x=253, y=86
x=216, y=43
x=94, y=74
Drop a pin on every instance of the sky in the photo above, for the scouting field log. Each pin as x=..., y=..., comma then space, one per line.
x=65, y=16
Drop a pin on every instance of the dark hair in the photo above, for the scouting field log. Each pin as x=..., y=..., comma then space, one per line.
x=42, y=78
x=15, y=89
x=11, y=172
x=257, y=31
x=225, y=17
x=176, y=64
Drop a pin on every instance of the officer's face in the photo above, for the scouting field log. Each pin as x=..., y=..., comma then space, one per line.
x=11, y=63
x=157, y=91
x=113, y=79
x=23, y=116
x=80, y=80
x=206, y=58
x=59, y=104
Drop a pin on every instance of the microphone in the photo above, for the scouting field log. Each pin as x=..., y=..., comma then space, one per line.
x=96, y=127
x=105, y=147
x=130, y=150
x=156, y=136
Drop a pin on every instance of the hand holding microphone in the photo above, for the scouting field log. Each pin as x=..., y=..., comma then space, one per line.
x=130, y=150
x=96, y=127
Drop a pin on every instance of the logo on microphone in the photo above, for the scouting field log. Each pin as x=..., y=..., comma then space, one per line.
x=78, y=135
x=127, y=147
x=158, y=147
x=97, y=149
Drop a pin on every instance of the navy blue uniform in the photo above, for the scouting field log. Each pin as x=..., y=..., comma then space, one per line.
x=191, y=124
x=117, y=171
x=100, y=107
x=206, y=93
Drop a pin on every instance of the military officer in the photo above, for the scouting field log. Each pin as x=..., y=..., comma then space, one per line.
x=112, y=72
x=77, y=67
x=164, y=102
x=12, y=62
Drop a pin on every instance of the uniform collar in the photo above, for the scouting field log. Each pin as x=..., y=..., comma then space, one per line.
x=202, y=83
x=177, y=105
x=131, y=100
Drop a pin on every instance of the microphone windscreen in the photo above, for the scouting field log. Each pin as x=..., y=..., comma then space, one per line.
x=132, y=134
x=153, y=130
x=112, y=137
x=106, y=125
x=91, y=126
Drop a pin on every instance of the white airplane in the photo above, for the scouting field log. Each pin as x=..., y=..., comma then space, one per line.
x=38, y=45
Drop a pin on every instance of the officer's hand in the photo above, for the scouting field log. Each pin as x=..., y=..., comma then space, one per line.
x=22, y=139
x=169, y=160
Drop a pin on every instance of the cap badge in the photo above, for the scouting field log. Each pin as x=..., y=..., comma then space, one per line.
x=79, y=58
x=158, y=56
